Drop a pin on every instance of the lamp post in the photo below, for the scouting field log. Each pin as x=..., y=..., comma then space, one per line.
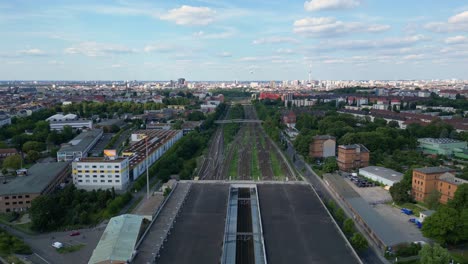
x=147, y=170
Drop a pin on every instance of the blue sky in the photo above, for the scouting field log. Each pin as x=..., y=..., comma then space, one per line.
x=233, y=40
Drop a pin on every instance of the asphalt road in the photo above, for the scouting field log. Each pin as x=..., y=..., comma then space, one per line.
x=369, y=256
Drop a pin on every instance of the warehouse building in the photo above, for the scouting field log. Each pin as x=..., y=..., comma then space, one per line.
x=155, y=142
x=101, y=173
x=59, y=121
x=441, y=146
x=42, y=178
x=381, y=174
x=79, y=146
x=118, y=242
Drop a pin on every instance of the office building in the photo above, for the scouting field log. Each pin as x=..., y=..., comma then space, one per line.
x=322, y=146
x=352, y=157
x=16, y=194
x=101, y=173
x=80, y=145
x=429, y=179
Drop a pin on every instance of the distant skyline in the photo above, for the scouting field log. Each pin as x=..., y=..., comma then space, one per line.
x=233, y=40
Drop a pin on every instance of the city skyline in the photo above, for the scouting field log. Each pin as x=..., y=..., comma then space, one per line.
x=245, y=40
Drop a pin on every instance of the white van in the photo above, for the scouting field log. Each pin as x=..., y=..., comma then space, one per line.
x=57, y=245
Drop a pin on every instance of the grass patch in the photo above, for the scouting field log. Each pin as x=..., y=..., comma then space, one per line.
x=277, y=172
x=255, y=169
x=460, y=257
x=262, y=141
x=415, y=208
x=69, y=249
x=233, y=165
x=13, y=259
x=25, y=228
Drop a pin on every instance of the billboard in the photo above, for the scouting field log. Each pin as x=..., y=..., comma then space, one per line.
x=110, y=153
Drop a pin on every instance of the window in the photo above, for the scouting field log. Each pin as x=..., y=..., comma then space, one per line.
x=27, y=196
x=87, y=180
x=13, y=197
x=116, y=166
x=109, y=176
x=87, y=171
x=103, y=181
x=20, y=196
x=117, y=176
x=7, y=203
x=87, y=176
x=28, y=202
x=80, y=180
x=94, y=166
x=117, y=180
x=14, y=202
x=94, y=180
x=101, y=166
x=80, y=176
x=450, y=186
x=101, y=171
x=79, y=166
x=7, y=197
x=102, y=176
x=109, y=166
x=109, y=181
x=20, y=202
x=86, y=166
x=94, y=176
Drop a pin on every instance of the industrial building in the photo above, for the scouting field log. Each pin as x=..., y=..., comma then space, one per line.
x=429, y=179
x=79, y=146
x=442, y=146
x=101, y=173
x=322, y=146
x=352, y=157
x=381, y=174
x=155, y=142
x=118, y=242
x=59, y=121
x=42, y=178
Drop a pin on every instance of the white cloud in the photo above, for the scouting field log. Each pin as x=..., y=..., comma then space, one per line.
x=387, y=43
x=55, y=62
x=161, y=47
x=285, y=51
x=224, y=54
x=330, y=26
x=414, y=57
x=316, y=5
x=94, y=49
x=275, y=40
x=229, y=32
x=458, y=22
x=190, y=15
x=459, y=18
x=456, y=40
x=32, y=52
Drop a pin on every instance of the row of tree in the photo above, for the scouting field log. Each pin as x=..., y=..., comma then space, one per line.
x=70, y=208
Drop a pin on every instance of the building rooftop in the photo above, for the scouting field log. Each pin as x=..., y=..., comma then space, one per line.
x=8, y=150
x=82, y=141
x=118, y=241
x=102, y=159
x=439, y=140
x=354, y=146
x=429, y=170
x=388, y=174
x=324, y=137
x=450, y=178
x=39, y=176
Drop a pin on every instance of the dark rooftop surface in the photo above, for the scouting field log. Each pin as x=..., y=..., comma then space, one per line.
x=297, y=228
x=434, y=170
x=197, y=236
x=39, y=176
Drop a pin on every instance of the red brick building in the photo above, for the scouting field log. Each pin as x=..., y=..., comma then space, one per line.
x=352, y=157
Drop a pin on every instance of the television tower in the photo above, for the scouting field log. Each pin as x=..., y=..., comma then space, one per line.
x=310, y=73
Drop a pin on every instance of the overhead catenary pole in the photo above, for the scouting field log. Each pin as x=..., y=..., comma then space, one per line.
x=147, y=170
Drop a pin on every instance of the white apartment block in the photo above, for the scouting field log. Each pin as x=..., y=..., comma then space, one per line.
x=101, y=173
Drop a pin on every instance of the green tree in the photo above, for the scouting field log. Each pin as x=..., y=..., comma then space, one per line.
x=400, y=192
x=443, y=226
x=348, y=226
x=434, y=255
x=33, y=145
x=330, y=165
x=339, y=215
x=359, y=242
x=32, y=156
x=432, y=199
x=12, y=162
x=460, y=199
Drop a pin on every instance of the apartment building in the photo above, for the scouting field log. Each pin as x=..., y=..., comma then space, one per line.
x=322, y=146
x=101, y=173
x=442, y=179
x=17, y=193
x=352, y=157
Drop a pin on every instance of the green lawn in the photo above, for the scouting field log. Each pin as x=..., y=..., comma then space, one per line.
x=69, y=249
x=256, y=175
x=277, y=172
x=416, y=209
x=233, y=165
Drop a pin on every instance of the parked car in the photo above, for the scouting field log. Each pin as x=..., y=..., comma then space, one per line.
x=75, y=233
x=57, y=245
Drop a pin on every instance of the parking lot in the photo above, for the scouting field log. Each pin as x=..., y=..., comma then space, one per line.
x=373, y=195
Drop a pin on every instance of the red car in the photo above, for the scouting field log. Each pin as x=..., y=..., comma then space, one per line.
x=75, y=233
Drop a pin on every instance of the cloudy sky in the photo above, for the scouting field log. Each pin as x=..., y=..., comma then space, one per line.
x=233, y=40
